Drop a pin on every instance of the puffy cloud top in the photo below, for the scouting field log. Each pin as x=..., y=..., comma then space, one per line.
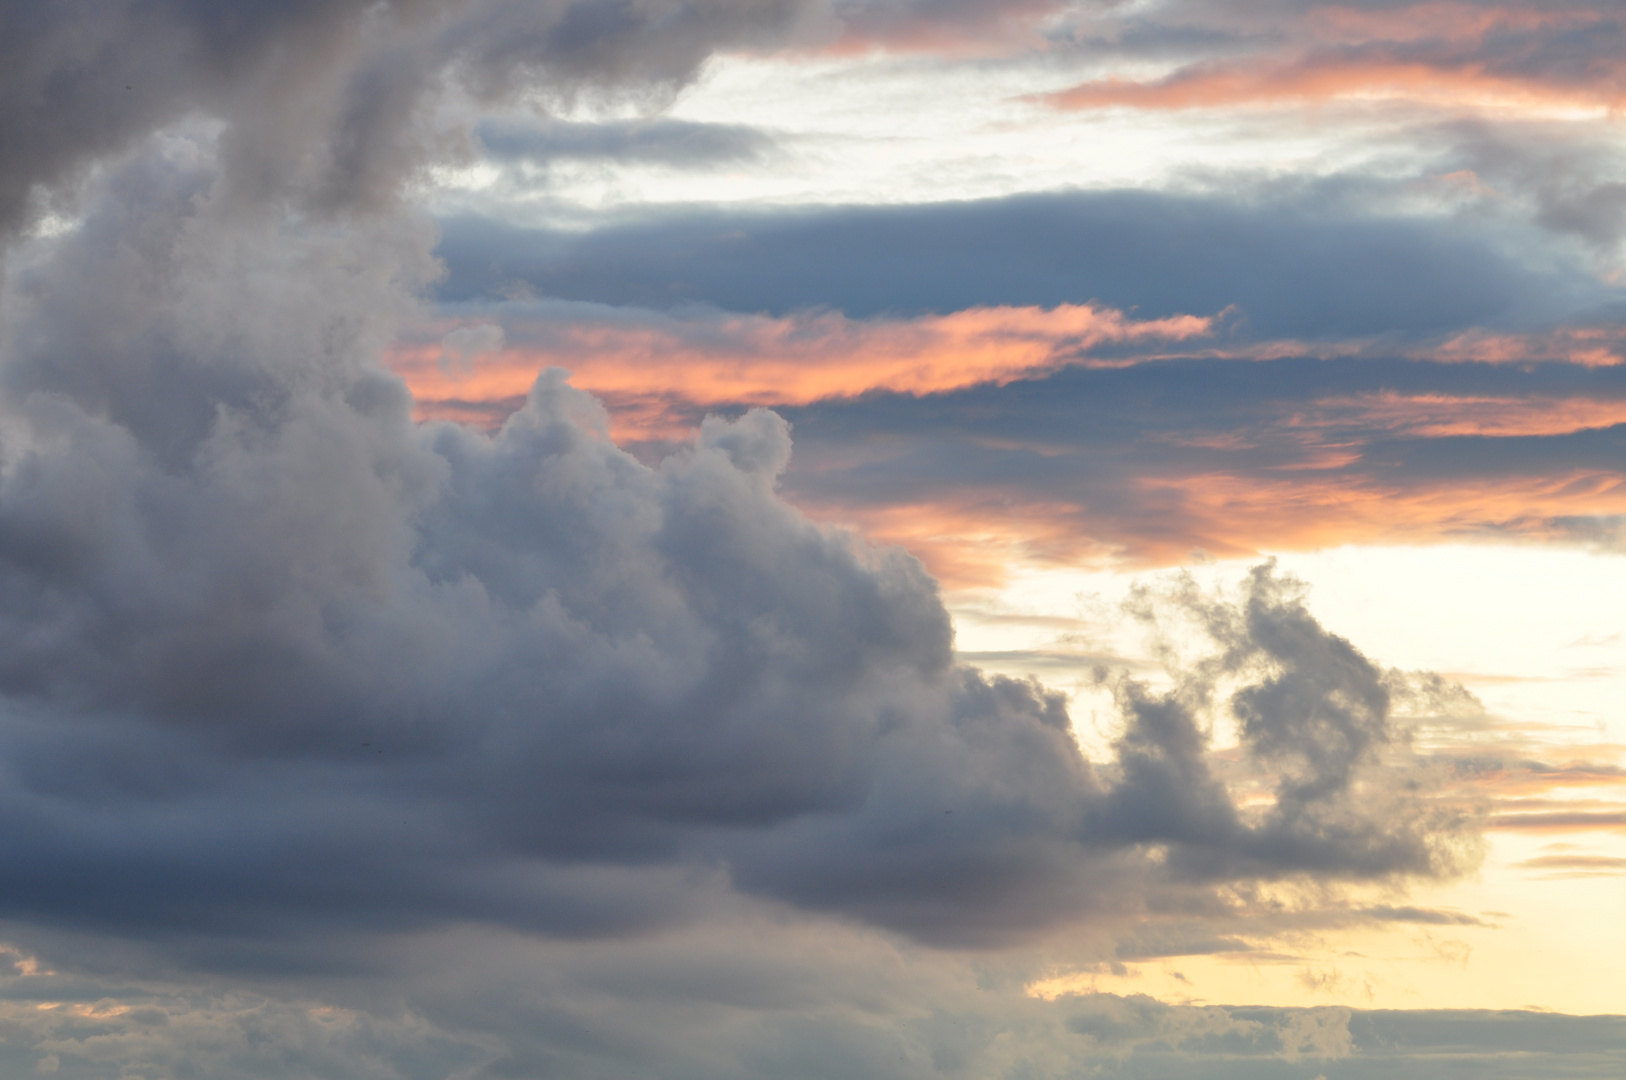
x=272, y=654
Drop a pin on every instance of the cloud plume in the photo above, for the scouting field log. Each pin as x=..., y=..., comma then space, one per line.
x=337, y=740
x=496, y=675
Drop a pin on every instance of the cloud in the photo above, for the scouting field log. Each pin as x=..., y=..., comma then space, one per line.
x=333, y=103
x=791, y=1003
x=1318, y=78
x=1575, y=864
x=1297, y=265
x=707, y=359
x=1452, y=55
x=655, y=141
x=280, y=665
x=1146, y=462
x=340, y=744
x=1568, y=180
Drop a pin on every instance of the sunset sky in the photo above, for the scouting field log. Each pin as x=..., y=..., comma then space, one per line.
x=802, y=539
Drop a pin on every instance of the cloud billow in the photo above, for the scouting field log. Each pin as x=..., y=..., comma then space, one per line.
x=330, y=668
x=410, y=749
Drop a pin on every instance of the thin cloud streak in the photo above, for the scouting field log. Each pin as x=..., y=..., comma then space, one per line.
x=717, y=360
x=1319, y=79
x=1514, y=57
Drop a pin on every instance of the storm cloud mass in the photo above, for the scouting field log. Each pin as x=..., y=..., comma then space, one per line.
x=485, y=663
x=336, y=742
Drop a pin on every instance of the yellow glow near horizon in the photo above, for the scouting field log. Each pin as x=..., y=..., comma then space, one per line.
x=1537, y=633
x=1547, y=945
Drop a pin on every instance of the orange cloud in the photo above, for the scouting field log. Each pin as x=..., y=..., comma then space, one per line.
x=1439, y=415
x=1309, y=512
x=1586, y=346
x=1290, y=478
x=969, y=534
x=660, y=373
x=716, y=360
x=1452, y=54
x=1575, y=864
x=1435, y=22
x=972, y=541
x=1563, y=821
x=1326, y=78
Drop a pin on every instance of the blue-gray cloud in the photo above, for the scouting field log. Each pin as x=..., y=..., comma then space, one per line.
x=277, y=663
x=1110, y=443
x=655, y=141
x=338, y=746
x=1293, y=270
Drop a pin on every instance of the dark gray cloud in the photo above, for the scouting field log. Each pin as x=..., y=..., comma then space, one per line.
x=1569, y=182
x=333, y=104
x=1293, y=270
x=656, y=141
x=327, y=103
x=338, y=746
x=276, y=662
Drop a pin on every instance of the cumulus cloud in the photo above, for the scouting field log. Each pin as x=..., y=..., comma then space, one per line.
x=442, y=751
x=273, y=655
x=335, y=743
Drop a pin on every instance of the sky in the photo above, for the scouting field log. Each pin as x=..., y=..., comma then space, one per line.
x=800, y=539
